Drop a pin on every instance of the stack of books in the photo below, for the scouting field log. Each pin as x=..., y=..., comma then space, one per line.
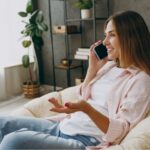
x=82, y=54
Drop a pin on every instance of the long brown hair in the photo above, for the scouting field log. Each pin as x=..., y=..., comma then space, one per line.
x=134, y=39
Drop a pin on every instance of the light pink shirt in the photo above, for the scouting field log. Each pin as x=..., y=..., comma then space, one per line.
x=128, y=103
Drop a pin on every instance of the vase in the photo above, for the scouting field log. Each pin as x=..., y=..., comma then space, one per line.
x=85, y=13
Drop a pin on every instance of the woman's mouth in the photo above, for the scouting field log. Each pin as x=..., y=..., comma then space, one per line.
x=109, y=50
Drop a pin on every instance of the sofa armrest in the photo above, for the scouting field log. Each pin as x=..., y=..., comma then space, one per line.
x=39, y=107
x=137, y=138
x=22, y=112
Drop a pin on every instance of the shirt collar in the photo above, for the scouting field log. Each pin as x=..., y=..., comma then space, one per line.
x=133, y=70
x=130, y=70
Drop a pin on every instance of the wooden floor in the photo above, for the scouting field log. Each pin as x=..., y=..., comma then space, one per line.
x=6, y=107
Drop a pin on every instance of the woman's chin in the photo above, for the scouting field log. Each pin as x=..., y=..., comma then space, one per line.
x=110, y=57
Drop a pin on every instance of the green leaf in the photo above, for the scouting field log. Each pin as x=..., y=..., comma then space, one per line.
x=84, y=4
x=29, y=7
x=42, y=26
x=38, y=32
x=39, y=17
x=22, y=14
x=26, y=61
x=32, y=18
x=30, y=27
x=26, y=43
x=22, y=32
x=45, y=26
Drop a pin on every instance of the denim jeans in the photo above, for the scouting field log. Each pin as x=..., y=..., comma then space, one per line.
x=31, y=133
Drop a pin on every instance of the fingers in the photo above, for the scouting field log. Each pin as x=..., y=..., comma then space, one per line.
x=62, y=110
x=59, y=110
x=81, y=105
x=92, y=54
x=54, y=102
x=73, y=106
x=68, y=108
x=95, y=44
x=98, y=42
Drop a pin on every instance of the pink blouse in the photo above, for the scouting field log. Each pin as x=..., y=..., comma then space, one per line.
x=128, y=103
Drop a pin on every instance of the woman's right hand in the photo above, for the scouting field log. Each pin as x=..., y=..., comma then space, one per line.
x=94, y=65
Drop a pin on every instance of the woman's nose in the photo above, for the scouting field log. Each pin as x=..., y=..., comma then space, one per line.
x=105, y=41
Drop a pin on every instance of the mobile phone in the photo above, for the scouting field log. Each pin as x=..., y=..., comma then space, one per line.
x=101, y=51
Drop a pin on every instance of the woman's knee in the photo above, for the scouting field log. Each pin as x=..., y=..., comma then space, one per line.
x=14, y=140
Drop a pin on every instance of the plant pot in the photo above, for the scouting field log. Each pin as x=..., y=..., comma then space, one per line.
x=85, y=13
x=31, y=89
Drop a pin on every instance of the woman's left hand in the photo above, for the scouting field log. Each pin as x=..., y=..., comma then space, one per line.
x=70, y=107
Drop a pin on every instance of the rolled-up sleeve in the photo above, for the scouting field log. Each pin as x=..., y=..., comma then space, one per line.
x=84, y=93
x=79, y=91
x=134, y=107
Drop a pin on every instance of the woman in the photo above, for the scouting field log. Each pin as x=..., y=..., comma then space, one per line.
x=114, y=95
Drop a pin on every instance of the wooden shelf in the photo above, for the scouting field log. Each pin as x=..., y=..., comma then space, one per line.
x=78, y=35
x=63, y=34
x=89, y=19
x=67, y=67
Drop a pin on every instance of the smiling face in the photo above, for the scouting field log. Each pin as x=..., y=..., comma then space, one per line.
x=111, y=41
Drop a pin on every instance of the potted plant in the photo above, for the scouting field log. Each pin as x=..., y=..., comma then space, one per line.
x=32, y=35
x=85, y=6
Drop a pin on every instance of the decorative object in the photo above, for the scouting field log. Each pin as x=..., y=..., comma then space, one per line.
x=66, y=62
x=85, y=6
x=85, y=13
x=32, y=34
x=31, y=89
x=65, y=29
x=78, y=81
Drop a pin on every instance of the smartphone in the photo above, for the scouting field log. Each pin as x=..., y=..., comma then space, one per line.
x=101, y=51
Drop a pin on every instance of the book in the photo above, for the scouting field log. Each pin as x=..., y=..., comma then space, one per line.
x=82, y=53
x=84, y=49
x=81, y=57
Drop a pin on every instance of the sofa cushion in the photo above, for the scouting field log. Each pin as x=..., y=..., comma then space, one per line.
x=69, y=94
x=137, y=138
x=38, y=107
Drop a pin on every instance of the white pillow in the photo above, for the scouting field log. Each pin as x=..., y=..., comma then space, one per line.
x=137, y=139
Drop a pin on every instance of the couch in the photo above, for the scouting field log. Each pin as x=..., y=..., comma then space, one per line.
x=137, y=139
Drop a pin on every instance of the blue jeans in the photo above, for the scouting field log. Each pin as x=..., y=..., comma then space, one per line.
x=31, y=133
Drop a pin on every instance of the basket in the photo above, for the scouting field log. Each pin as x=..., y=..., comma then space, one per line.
x=31, y=89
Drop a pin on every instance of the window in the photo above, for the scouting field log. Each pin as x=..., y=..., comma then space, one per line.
x=11, y=49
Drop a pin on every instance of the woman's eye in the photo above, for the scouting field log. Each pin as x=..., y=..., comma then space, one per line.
x=111, y=35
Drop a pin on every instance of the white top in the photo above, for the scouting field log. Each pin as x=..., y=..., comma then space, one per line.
x=80, y=123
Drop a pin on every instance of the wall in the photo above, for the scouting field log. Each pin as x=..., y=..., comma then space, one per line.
x=141, y=6
x=57, y=14
x=13, y=78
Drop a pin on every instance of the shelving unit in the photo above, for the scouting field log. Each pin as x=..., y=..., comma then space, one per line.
x=81, y=24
